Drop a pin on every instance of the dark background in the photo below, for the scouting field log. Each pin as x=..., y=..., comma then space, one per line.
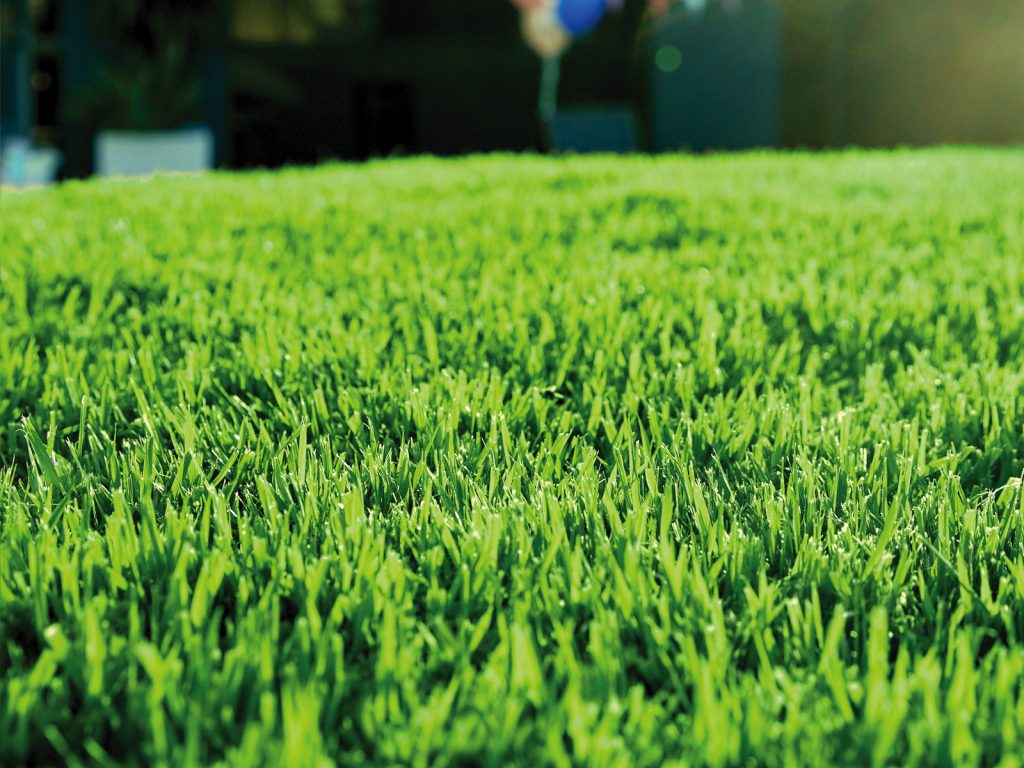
x=312, y=80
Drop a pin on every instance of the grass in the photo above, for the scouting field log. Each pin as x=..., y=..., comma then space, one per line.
x=517, y=461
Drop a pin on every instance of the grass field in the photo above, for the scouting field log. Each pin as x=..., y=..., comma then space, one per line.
x=517, y=461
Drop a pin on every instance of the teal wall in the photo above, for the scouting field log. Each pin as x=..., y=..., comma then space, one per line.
x=717, y=80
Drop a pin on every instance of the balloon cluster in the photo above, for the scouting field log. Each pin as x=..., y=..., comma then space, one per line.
x=549, y=26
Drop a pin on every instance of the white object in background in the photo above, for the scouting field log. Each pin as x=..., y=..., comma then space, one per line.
x=15, y=161
x=26, y=166
x=140, y=153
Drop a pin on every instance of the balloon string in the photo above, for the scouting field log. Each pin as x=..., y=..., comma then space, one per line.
x=547, y=104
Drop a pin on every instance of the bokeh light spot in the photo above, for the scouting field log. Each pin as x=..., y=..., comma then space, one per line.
x=668, y=58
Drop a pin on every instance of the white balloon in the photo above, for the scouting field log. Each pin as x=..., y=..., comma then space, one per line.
x=544, y=33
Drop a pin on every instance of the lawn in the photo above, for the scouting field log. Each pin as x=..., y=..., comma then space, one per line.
x=517, y=461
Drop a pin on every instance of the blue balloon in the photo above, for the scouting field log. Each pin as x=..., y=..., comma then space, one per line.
x=581, y=16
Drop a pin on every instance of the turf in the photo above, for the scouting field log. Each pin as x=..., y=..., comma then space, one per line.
x=517, y=461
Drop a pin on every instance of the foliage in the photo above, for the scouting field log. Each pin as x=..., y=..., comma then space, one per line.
x=517, y=461
x=137, y=96
x=150, y=78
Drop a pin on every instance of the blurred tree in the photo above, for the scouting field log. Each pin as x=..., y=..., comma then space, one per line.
x=295, y=21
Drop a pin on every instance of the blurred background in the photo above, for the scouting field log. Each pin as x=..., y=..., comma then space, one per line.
x=112, y=86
